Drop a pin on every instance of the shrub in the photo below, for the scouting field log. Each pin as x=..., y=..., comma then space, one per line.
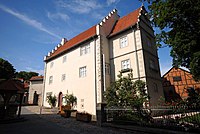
x=52, y=100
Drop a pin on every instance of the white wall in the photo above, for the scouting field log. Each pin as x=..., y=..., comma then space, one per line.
x=82, y=88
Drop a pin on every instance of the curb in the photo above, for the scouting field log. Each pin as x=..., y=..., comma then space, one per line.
x=145, y=129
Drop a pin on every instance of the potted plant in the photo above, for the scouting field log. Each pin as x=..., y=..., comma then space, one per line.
x=83, y=116
x=52, y=100
x=70, y=99
x=67, y=109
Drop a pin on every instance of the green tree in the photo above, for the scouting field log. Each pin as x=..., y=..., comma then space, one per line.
x=193, y=100
x=71, y=99
x=7, y=70
x=52, y=100
x=179, y=25
x=125, y=93
x=26, y=75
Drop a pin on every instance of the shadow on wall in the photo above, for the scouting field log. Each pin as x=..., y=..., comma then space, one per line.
x=169, y=92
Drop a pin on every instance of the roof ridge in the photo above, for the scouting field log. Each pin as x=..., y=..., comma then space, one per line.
x=76, y=40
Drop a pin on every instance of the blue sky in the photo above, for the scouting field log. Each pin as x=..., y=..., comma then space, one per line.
x=29, y=29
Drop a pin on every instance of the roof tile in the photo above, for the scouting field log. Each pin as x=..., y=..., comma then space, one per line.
x=74, y=41
x=36, y=78
x=126, y=21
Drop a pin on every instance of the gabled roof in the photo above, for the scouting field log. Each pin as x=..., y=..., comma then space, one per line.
x=74, y=41
x=35, y=78
x=125, y=22
x=11, y=85
x=122, y=24
x=175, y=68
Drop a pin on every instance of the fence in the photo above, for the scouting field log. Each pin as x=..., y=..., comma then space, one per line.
x=177, y=118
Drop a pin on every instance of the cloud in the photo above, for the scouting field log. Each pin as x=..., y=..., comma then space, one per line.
x=40, y=71
x=29, y=21
x=110, y=2
x=57, y=16
x=79, y=6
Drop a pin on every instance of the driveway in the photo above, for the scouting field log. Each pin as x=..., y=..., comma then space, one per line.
x=52, y=124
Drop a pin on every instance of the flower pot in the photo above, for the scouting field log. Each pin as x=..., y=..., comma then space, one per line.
x=85, y=117
x=66, y=113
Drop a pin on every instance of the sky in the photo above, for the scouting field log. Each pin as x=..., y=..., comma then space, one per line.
x=29, y=29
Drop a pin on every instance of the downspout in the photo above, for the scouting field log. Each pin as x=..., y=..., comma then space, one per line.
x=136, y=54
x=95, y=75
x=104, y=75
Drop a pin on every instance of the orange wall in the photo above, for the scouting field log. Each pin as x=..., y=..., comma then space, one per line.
x=180, y=87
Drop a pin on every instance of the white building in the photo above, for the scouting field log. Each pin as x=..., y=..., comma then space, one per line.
x=86, y=64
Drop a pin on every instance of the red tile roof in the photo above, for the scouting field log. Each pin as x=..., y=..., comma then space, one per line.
x=36, y=78
x=126, y=22
x=122, y=24
x=11, y=85
x=74, y=41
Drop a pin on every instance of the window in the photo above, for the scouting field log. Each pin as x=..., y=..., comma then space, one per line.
x=50, y=79
x=152, y=65
x=125, y=64
x=63, y=77
x=155, y=87
x=64, y=59
x=51, y=65
x=107, y=68
x=123, y=42
x=82, y=71
x=177, y=78
x=85, y=49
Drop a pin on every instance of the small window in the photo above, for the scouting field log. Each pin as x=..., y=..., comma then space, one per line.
x=50, y=79
x=85, y=49
x=177, y=78
x=149, y=42
x=123, y=42
x=107, y=68
x=63, y=77
x=125, y=64
x=155, y=87
x=51, y=65
x=152, y=65
x=82, y=71
x=64, y=59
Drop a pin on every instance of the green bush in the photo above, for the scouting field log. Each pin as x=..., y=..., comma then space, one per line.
x=52, y=100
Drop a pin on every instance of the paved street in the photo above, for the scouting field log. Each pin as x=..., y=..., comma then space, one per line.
x=49, y=122
x=53, y=123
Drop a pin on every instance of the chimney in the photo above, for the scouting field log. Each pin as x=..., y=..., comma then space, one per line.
x=63, y=41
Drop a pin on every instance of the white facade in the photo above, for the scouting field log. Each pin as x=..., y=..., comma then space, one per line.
x=92, y=64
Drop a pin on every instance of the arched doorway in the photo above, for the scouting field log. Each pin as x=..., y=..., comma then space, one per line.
x=60, y=99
